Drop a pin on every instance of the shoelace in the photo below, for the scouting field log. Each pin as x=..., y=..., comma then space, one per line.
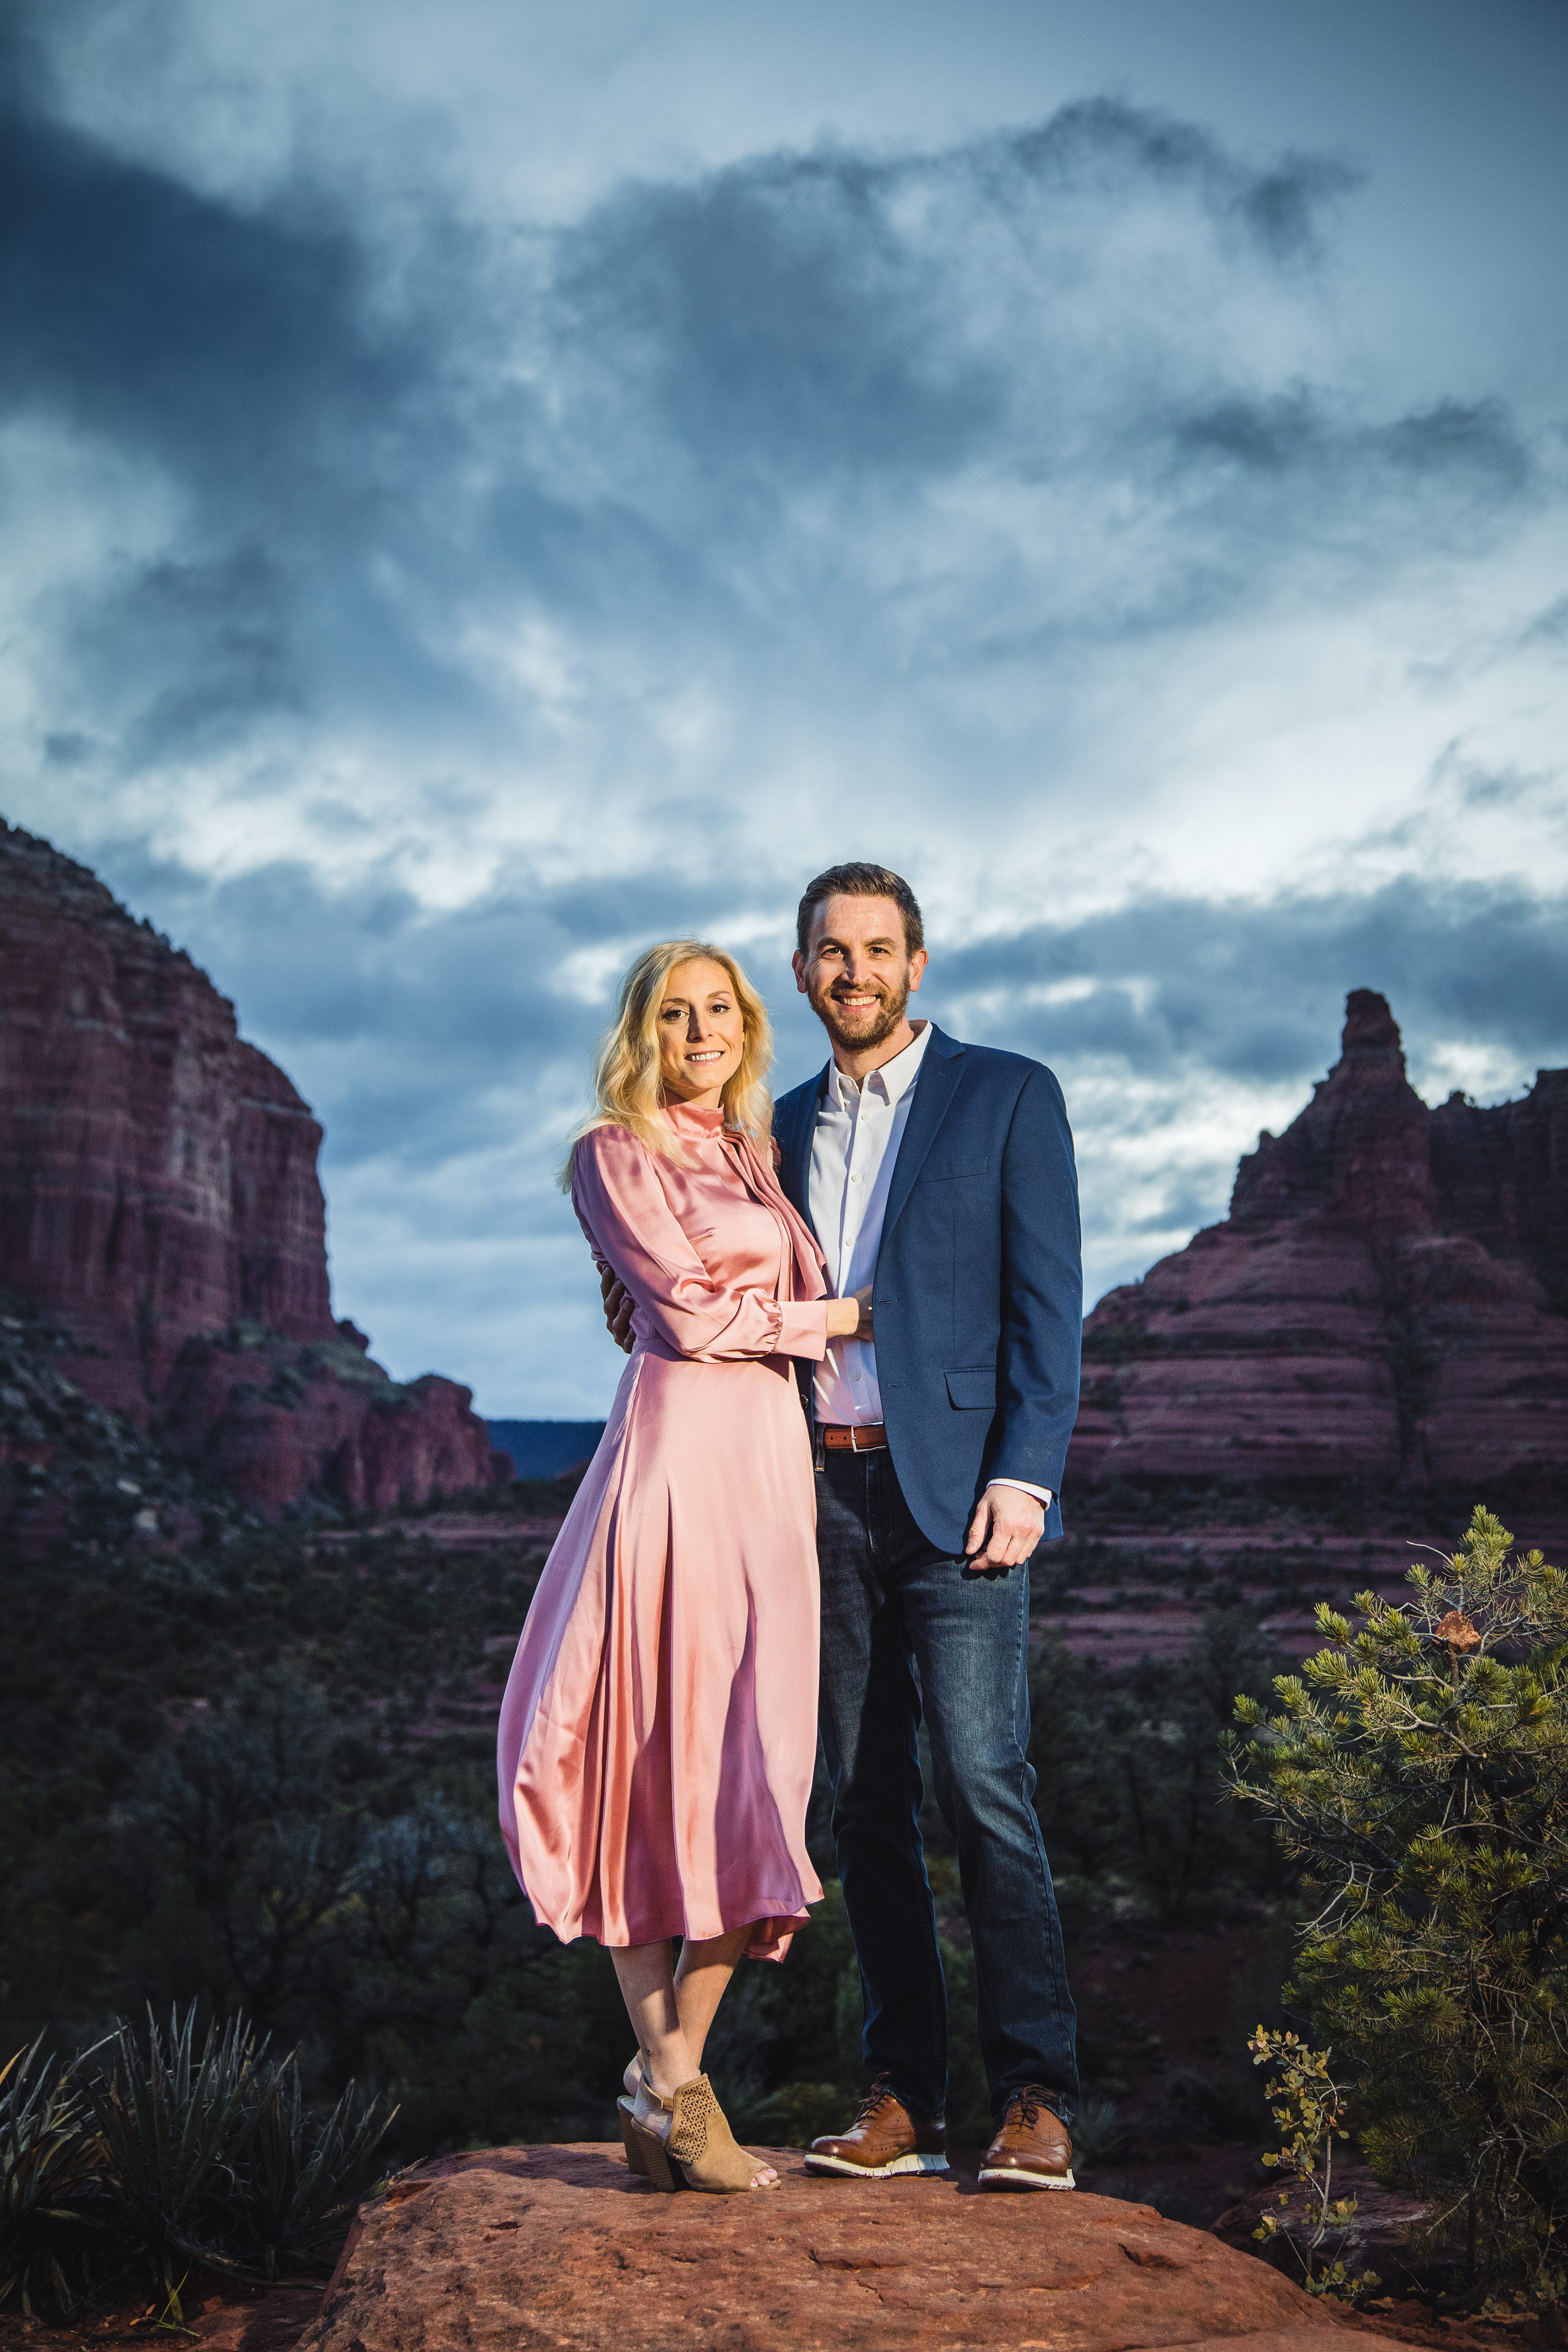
x=875, y=2100
x=1024, y=2109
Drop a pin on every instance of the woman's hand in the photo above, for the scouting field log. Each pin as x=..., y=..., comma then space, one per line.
x=850, y=1319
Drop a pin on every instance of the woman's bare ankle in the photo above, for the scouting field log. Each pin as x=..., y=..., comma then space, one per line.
x=665, y=2069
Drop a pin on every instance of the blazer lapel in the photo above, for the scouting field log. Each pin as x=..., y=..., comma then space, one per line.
x=934, y=1089
x=795, y=1172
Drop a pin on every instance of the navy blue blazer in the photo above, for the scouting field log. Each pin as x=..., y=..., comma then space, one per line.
x=978, y=1297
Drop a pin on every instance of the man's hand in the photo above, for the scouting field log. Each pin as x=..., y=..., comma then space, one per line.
x=851, y=1317
x=619, y=1309
x=1005, y=1529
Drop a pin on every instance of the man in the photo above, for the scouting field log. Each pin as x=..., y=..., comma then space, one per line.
x=942, y=1175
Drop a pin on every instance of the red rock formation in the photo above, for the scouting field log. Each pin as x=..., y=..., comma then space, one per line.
x=560, y=2246
x=157, y=1175
x=159, y=1199
x=270, y=1419
x=1387, y=1300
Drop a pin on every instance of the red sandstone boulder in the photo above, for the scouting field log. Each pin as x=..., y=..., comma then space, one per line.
x=1387, y=1300
x=160, y=1203
x=558, y=2246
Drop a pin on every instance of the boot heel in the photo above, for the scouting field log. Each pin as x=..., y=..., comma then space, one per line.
x=631, y=2140
x=656, y=2164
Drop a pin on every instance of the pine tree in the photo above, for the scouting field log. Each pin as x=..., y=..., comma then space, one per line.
x=1417, y=1772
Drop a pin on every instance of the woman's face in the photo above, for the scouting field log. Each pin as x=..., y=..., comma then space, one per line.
x=702, y=1033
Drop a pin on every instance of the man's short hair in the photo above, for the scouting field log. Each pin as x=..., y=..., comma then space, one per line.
x=858, y=881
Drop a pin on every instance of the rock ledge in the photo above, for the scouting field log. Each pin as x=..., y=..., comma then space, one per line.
x=562, y=2247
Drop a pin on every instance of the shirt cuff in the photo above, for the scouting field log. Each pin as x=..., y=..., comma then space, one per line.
x=803, y=1329
x=1040, y=1494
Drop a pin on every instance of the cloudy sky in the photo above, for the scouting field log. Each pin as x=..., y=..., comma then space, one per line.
x=486, y=484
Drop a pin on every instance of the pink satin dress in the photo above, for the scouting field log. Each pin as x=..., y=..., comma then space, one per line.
x=659, y=1732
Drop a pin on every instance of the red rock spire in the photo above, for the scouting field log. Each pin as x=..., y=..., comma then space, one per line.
x=1360, y=1149
x=1387, y=1302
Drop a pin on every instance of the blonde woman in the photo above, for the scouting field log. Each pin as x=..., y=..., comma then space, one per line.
x=659, y=1726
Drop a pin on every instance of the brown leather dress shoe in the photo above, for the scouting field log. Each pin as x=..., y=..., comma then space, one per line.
x=883, y=2139
x=1032, y=2150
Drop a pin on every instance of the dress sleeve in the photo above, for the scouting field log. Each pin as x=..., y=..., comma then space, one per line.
x=631, y=1227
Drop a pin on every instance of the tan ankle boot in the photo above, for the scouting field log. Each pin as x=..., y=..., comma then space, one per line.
x=701, y=2151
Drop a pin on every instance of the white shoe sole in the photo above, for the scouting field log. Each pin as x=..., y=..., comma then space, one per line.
x=914, y=2162
x=1004, y=2177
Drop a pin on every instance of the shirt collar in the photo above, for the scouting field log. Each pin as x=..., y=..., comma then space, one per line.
x=893, y=1081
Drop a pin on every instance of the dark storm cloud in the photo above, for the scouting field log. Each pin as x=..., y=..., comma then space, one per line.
x=612, y=423
x=810, y=309
x=809, y=313
x=437, y=1029
x=1550, y=627
x=183, y=327
x=1280, y=205
x=295, y=402
x=560, y=570
x=222, y=633
x=1257, y=991
x=447, y=1031
x=1470, y=443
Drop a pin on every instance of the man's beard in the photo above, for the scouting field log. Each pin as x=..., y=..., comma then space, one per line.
x=856, y=1041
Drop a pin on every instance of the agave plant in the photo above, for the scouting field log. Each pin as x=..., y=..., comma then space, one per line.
x=171, y=2155
x=302, y=2174
x=51, y=2164
x=174, y=2122
x=1097, y=2132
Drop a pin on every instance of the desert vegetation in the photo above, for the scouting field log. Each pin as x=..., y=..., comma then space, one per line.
x=157, y=2155
x=1416, y=1772
x=257, y=1776
x=248, y=1834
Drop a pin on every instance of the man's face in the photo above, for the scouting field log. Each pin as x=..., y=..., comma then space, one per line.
x=858, y=972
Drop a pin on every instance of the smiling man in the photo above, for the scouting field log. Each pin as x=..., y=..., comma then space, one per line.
x=942, y=1176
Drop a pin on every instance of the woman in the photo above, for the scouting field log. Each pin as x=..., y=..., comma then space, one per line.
x=658, y=1731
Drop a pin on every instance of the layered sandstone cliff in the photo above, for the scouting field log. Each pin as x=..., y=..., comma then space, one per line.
x=159, y=1202
x=1387, y=1300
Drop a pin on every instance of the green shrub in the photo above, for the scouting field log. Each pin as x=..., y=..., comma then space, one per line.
x=1417, y=1771
x=303, y=1792
x=1098, y=2135
x=1309, y=2113
x=174, y=2123
x=159, y=2156
x=50, y=2170
x=296, y=2190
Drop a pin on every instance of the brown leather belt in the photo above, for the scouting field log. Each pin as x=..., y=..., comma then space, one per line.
x=859, y=1437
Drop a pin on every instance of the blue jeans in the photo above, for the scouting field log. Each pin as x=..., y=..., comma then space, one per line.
x=893, y=1607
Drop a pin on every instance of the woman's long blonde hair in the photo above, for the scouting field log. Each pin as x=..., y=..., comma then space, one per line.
x=626, y=1089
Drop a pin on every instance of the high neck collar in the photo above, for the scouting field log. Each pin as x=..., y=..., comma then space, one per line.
x=694, y=1119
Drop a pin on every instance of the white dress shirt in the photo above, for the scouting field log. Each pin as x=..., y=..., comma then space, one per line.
x=859, y=1127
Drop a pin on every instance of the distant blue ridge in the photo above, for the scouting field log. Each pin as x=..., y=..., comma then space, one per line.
x=542, y=1449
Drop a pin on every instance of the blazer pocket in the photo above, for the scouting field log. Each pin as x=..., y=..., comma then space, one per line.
x=973, y=1390
x=950, y=1175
